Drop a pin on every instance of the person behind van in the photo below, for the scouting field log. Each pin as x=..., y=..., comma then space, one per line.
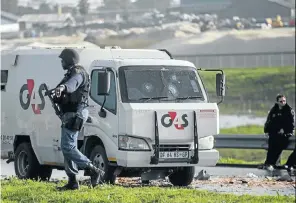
x=279, y=126
x=72, y=96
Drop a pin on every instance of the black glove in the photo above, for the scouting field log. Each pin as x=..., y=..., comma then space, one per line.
x=59, y=90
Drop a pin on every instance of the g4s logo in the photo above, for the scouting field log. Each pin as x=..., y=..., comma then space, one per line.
x=29, y=88
x=180, y=122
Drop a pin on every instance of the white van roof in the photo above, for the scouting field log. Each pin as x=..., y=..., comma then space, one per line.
x=102, y=53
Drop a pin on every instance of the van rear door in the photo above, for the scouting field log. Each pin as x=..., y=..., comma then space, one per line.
x=6, y=136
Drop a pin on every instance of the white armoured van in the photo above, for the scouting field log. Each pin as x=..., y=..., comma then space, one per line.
x=156, y=120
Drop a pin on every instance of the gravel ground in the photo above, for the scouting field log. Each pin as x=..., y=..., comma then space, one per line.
x=233, y=185
x=239, y=186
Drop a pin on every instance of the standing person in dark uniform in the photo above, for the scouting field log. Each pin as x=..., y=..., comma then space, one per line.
x=279, y=126
x=72, y=96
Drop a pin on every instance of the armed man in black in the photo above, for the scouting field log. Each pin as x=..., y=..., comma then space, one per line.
x=279, y=126
x=71, y=94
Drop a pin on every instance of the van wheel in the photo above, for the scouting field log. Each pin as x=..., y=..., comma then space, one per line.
x=182, y=177
x=99, y=159
x=26, y=165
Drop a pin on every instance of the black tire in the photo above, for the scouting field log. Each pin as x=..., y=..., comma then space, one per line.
x=182, y=177
x=100, y=153
x=26, y=165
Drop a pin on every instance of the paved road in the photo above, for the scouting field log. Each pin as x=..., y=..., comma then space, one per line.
x=227, y=43
x=215, y=43
x=8, y=170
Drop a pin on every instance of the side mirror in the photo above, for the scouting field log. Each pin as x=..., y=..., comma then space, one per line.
x=104, y=78
x=220, y=84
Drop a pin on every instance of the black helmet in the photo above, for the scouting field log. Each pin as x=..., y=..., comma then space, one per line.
x=69, y=56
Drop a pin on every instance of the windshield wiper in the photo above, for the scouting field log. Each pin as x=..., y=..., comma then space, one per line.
x=150, y=98
x=189, y=97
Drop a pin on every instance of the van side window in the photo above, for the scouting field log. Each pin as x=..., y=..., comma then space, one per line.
x=111, y=99
x=4, y=77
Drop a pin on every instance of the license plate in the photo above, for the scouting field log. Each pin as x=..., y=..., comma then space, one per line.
x=173, y=155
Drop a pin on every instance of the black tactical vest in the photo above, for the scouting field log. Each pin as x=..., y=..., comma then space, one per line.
x=71, y=101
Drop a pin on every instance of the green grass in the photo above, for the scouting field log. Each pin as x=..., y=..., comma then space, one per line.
x=252, y=89
x=15, y=190
x=246, y=156
x=237, y=161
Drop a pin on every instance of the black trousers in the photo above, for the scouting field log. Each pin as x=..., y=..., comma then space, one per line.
x=276, y=144
x=292, y=158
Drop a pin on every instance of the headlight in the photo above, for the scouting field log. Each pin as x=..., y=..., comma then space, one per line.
x=131, y=143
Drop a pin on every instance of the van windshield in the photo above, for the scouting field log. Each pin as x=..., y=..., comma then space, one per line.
x=160, y=84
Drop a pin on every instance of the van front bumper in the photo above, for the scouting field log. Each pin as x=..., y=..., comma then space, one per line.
x=142, y=159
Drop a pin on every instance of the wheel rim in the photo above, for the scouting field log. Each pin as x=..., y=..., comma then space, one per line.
x=99, y=162
x=23, y=163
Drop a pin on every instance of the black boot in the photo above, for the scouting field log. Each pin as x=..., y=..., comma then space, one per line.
x=71, y=185
x=96, y=174
x=290, y=169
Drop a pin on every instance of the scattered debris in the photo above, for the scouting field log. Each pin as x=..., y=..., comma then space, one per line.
x=251, y=175
x=285, y=178
x=202, y=175
x=269, y=178
x=235, y=185
x=244, y=181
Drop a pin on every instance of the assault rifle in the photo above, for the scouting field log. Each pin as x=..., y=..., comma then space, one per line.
x=56, y=107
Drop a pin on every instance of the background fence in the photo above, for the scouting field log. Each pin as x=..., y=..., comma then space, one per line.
x=234, y=141
x=241, y=60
